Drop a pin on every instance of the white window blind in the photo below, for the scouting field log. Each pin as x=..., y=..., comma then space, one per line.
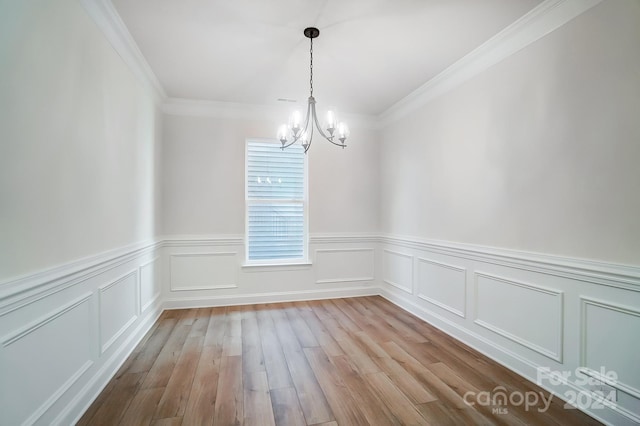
x=276, y=204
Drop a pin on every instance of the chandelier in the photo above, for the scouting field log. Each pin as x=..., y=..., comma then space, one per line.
x=298, y=130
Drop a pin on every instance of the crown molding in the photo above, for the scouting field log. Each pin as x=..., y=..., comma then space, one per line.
x=540, y=21
x=114, y=29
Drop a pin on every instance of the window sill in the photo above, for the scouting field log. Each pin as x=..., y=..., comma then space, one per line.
x=274, y=267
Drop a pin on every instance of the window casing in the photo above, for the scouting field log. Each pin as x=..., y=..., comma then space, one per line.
x=276, y=203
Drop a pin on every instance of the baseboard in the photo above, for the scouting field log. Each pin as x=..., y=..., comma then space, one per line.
x=273, y=297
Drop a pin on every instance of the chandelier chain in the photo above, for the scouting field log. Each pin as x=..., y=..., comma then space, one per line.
x=311, y=67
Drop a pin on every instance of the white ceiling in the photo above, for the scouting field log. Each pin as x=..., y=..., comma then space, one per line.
x=370, y=53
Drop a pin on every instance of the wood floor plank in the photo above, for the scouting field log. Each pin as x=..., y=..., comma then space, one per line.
x=217, y=327
x=258, y=410
x=345, y=322
x=399, y=405
x=229, y=406
x=300, y=328
x=140, y=411
x=400, y=327
x=161, y=370
x=371, y=348
x=329, y=362
x=147, y=356
x=433, y=384
x=116, y=400
x=321, y=333
x=252, y=357
x=286, y=407
x=312, y=400
x=439, y=413
x=201, y=405
x=340, y=400
x=328, y=321
x=176, y=394
x=171, y=421
x=360, y=359
x=407, y=384
x=275, y=364
x=201, y=322
x=374, y=409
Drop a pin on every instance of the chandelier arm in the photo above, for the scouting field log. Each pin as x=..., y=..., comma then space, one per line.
x=329, y=138
x=289, y=144
x=306, y=148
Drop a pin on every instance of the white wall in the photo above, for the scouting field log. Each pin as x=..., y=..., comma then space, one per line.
x=204, y=223
x=79, y=141
x=204, y=166
x=508, y=204
x=538, y=153
x=79, y=167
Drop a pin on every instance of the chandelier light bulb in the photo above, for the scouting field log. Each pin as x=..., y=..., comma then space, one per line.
x=303, y=130
x=343, y=132
x=295, y=121
x=282, y=133
x=331, y=121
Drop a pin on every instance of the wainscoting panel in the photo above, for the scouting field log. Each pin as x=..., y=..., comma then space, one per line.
x=150, y=285
x=527, y=314
x=397, y=270
x=215, y=271
x=64, y=332
x=607, y=326
x=442, y=285
x=43, y=360
x=203, y=271
x=118, y=305
x=344, y=265
x=534, y=313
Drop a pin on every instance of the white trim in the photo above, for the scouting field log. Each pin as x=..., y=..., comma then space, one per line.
x=142, y=308
x=114, y=29
x=276, y=267
x=202, y=240
x=46, y=319
x=343, y=238
x=35, y=416
x=540, y=21
x=26, y=289
x=215, y=287
x=461, y=314
x=584, y=301
x=385, y=279
x=556, y=356
x=272, y=297
x=371, y=277
x=595, y=272
x=101, y=290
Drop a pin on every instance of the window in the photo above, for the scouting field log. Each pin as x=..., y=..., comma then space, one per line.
x=276, y=203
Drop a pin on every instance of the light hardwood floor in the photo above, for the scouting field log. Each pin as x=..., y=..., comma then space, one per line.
x=351, y=361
